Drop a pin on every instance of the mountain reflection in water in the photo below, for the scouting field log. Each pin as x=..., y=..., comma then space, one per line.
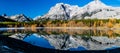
x=67, y=39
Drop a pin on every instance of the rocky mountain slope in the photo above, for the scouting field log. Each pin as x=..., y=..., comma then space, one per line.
x=18, y=18
x=3, y=19
x=94, y=9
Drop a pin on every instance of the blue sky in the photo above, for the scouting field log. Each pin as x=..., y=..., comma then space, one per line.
x=34, y=8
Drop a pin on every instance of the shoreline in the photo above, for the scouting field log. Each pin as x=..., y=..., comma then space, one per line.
x=97, y=28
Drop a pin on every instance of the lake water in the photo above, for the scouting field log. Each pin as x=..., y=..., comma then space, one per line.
x=67, y=39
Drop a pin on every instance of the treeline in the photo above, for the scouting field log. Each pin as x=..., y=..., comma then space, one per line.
x=64, y=23
x=81, y=23
x=19, y=24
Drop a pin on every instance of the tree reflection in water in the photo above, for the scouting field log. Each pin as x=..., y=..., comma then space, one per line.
x=67, y=39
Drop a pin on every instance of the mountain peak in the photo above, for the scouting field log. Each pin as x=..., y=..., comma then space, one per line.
x=20, y=18
x=60, y=10
x=59, y=4
x=96, y=3
x=97, y=0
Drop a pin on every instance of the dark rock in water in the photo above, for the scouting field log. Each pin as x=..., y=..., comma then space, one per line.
x=6, y=49
x=11, y=45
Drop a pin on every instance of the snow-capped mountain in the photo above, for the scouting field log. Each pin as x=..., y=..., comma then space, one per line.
x=94, y=9
x=59, y=11
x=99, y=10
x=36, y=18
x=62, y=11
x=19, y=18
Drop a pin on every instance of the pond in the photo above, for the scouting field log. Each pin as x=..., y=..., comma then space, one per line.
x=67, y=39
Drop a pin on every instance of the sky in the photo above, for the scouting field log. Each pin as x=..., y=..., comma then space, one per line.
x=33, y=8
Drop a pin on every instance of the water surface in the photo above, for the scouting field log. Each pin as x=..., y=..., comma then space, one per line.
x=67, y=39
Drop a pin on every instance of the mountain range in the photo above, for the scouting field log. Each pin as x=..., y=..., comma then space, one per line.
x=93, y=10
x=18, y=18
x=15, y=18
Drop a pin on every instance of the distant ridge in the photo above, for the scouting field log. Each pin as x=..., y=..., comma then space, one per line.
x=17, y=18
x=3, y=19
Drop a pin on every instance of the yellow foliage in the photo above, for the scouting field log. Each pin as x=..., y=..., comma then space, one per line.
x=33, y=27
x=112, y=20
x=101, y=23
x=110, y=33
x=110, y=25
x=94, y=24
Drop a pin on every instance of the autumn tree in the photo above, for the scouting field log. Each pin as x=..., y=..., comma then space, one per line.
x=94, y=25
x=101, y=23
x=110, y=23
